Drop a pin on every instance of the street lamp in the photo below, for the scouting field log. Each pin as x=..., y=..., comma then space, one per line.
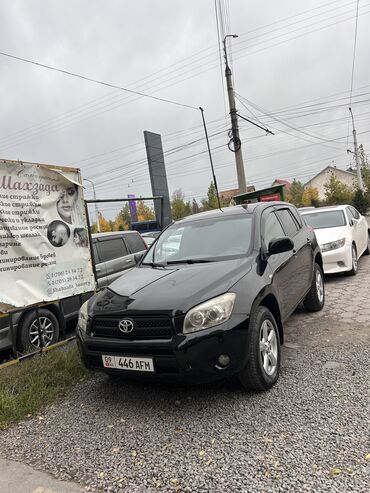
x=224, y=42
x=96, y=205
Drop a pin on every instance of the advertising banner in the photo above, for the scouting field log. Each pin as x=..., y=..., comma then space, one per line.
x=44, y=242
x=133, y=208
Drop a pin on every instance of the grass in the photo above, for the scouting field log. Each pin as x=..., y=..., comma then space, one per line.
x=26, y=388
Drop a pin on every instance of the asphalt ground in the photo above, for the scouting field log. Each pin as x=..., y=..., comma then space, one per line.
x=310, y=433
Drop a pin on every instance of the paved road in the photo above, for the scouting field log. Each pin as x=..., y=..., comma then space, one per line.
x=308, y=434
x=19, y=478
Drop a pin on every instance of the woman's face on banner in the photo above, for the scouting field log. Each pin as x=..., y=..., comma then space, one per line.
x=66, y=202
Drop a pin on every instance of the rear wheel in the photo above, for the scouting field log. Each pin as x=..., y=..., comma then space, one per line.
x=315, y=298
x=354, y=268
x=28, y=332
x=263, y=344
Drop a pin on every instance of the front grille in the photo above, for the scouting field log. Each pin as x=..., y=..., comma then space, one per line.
x=145, y=327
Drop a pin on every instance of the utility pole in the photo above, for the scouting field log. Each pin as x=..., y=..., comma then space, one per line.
x=95, y=204
x=358, y=164
x=235, y=142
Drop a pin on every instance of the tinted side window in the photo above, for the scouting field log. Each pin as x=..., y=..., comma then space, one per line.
x=297, y=217
x=272, y=229
x=134, y=242
x=355, y=212
x=349, y=214
x=287, y=220
x=111, y=249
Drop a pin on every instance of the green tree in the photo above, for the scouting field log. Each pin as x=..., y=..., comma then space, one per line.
x=365, y=168
x=310, y=197
x=211, y=201
x=337, y=192
x=361, y=201
x=295, y=193
x=179, y=207
x=144, y=212
x=123, y=219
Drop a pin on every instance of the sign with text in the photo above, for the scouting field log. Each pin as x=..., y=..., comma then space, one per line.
x=44, y=242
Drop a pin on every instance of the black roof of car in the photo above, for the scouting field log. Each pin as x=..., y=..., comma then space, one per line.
x=113, y=233
x=231, y=211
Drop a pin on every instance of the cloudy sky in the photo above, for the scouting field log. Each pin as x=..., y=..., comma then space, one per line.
x=292, y=65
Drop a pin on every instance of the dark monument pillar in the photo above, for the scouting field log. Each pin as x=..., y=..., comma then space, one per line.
x=158, y=176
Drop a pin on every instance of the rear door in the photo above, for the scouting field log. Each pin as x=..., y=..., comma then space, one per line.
x=100, y=269
x=302, y=253
x=114, y=254
x=282, y=264
x=361, y=229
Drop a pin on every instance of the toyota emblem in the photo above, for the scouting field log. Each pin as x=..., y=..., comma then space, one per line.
x=126, y=325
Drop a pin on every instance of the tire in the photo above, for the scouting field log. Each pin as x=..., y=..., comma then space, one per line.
x=354, y=268
x=315, y=298
x=28, y=338
x=261, y=371
x=367, y=251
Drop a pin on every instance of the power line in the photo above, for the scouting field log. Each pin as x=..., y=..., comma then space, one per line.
x=244, y=34
x=96, y=81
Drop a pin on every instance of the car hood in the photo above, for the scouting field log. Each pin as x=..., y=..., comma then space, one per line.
x=327, y=235
x=173, y=289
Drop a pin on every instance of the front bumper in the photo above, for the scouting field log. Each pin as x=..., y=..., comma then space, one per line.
x=338, y=260
x=191, y=358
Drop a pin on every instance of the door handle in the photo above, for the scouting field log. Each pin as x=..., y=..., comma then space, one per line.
x=97, y=270
x=128, y=261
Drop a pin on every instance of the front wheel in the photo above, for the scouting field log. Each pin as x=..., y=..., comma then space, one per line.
x=315, y=298
x=263, y=365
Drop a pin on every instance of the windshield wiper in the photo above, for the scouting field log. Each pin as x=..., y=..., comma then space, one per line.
x=154, y=264
x=190, y=261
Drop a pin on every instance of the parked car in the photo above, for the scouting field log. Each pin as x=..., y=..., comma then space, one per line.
x=343, y=235
x=215, y=307
x=150, y=238
x=114, y=253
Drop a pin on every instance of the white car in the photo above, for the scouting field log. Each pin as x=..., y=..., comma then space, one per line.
x=343, y=235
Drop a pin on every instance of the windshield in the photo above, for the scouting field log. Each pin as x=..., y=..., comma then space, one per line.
x=203, y=239
x=325, y=219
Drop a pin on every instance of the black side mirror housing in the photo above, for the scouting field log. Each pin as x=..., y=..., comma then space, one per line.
x=280, y=245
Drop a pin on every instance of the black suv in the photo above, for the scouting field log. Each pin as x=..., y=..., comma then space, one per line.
x=208, y=299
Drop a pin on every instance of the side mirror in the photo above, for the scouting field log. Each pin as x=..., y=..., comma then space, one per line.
x=354, y=221
x=138, y=257
x=280, y=245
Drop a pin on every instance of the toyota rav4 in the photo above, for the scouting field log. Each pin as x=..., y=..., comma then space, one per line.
x=212, y=305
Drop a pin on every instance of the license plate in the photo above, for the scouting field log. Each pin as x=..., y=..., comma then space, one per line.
x=128, y=363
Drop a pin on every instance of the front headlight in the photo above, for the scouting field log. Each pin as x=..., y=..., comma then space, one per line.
x=209, y=314
x=83, y=317
x=333, y=245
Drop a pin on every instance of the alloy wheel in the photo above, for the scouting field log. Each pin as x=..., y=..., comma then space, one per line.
x=268, y=347
x=47, y=331
x=319, y=286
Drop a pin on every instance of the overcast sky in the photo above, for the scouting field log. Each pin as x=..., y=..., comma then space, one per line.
x=291, y=63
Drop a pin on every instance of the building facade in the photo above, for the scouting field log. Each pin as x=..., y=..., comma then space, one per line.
x=347, y=177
